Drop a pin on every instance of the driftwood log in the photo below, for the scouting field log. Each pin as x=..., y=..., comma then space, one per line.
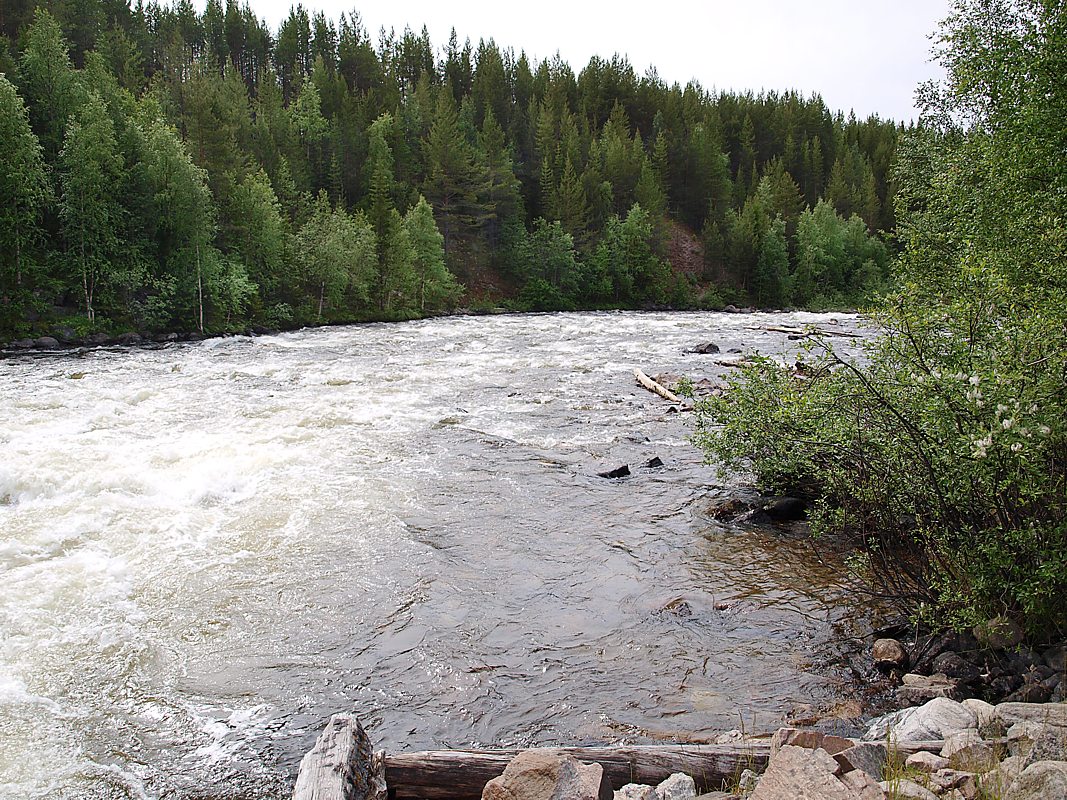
x=658, y=388
x=341, y=766
x=462, y=774
x=803, y=332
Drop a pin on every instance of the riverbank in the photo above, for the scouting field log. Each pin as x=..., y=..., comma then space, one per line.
x=59, y=338
x=942, y=749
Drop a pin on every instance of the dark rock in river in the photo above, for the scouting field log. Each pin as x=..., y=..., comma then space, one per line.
x=129, y=338
x=704, y=349
x=21, y=344
x=785, y=509
x=46, y=343
x=618, y=472
x=654, y=463
x=97, y=339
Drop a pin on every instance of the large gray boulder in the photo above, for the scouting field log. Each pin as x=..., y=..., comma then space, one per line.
x=800, y=774
x=544, y=775
x=1043, y=780
x=1033, y=741
x=937, y=719
x=1007, y=714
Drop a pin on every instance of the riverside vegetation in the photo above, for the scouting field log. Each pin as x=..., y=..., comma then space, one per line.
x=942, y=453
x=164, y=170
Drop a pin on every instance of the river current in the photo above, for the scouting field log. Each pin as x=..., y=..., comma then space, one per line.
x=206, y=549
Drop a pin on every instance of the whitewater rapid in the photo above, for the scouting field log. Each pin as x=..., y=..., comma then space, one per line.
x=209, y=548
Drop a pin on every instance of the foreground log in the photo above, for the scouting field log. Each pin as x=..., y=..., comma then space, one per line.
x=462, y=774
x=658, y=388
x=341, y=765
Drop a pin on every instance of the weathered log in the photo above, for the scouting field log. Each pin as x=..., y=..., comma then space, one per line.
x=807, y=331
x=342, y=765
x=462, y=774
x=658, y=388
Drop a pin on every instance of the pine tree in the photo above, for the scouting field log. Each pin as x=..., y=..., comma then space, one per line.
x=457, y=181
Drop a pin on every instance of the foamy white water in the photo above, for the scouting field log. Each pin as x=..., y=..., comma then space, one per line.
x=209, y=548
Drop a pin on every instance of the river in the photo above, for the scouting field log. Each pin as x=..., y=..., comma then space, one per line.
x=209, y=548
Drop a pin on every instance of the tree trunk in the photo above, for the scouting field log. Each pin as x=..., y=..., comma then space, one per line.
x=199, y=290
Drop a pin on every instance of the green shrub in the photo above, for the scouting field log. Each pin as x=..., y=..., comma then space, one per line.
x=942, y=452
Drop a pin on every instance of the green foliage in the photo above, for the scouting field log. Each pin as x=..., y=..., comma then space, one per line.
x=435, y=287
x=943, y=452
x=336, y=254
x=271, y=118
x=91, y=170
x=25, y=187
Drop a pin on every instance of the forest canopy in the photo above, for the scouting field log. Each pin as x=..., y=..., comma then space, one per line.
x=168, y=170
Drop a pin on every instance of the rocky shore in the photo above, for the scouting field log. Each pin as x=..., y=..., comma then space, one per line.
x=970, y=750
x=67, y=340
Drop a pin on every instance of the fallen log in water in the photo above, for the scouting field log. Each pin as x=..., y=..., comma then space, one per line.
x=462, y=774
x=804, y=332
x=657, y=388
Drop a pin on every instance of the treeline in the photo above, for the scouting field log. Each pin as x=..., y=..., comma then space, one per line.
x=165, y=169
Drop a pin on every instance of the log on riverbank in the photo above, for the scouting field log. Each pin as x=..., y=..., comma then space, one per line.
x=462, y=774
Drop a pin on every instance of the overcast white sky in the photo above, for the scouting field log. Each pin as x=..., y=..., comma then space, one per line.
x=866, y=55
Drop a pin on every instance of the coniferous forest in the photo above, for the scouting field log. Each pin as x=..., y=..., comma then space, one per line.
x=164, y=170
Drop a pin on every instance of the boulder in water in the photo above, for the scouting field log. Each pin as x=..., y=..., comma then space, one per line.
x=704, y=349
x=618, y=472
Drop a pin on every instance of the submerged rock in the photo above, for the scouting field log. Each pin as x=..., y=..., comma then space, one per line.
x=618, y=472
